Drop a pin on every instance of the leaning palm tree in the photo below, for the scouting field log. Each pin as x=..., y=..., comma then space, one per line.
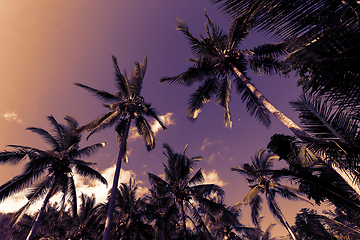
x=52, y=169
x=218, y=59
x=262, y=181
x=179, y=190
x=126, y=105
x=324, y=37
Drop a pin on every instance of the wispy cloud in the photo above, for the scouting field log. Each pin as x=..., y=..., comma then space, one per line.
x=207, y=143
x=213, y=178
x=11, y=117
x=155, y=126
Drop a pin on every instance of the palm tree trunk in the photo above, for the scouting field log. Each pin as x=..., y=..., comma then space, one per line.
x=345, y=173
x=183, y=219
x=42, y=209
x=280, y=215
x=109, y=215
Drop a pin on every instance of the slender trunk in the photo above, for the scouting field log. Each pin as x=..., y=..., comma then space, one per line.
x=277, y=113
x=183, y=219
x=109, y=215
x=345, y=173
x=280, y=215
x=42, y=209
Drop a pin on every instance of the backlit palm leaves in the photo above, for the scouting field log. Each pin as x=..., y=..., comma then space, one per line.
x=50, y=171
x=126, y=105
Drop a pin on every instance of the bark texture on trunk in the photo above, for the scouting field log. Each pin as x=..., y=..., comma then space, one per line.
x=109, y=215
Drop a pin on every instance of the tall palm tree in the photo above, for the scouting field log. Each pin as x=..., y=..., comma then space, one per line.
x=181, y=191
x=324, y=37
x=261, y=181
x=126, y=105
x=52, y=169
x=218, y=58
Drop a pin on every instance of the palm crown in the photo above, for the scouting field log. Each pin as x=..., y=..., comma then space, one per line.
x=52, y=169
x=126, y=104
x=217, y=56
x=261, y=180
x=180, y=189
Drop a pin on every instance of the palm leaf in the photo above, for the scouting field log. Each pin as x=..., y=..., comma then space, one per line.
x=145, y=131
x=89, y=150
x=89, y=172
x=223, y=99
x=13, y=158
x=46, y=136
x=103, y=95
x=202, y=95
x=253, y=104
x=121, y=81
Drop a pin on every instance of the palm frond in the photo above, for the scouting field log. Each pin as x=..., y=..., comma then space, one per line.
x=46, y=136
x=145, y=131
x=89, y=150
x=195, y=73
x=151, y=112
x=197, y=178
x=223, y=99
x=122, y=82
x=13, y=158
x=238, y=31
x=89, y=172
x=202, y=95
x=105, y=121
x=253, y=104
x=103, y=95
x=255, y=205
x=18, y=183
x=320, y=119
x=205, y=190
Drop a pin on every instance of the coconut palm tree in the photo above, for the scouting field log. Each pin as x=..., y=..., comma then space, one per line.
x=218, y=59
x=126, y=105
x=323, y=40
x=181, y=191
x=261, y=181
x=51, y=170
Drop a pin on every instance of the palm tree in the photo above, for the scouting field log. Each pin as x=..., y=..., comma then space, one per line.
x=218, y=58
x=52, y=169
x=255, y=233
x=260, y=180
x=323, y=39
x=127, y=105
x=87, y=225
x=179, y=190
x=130, y=214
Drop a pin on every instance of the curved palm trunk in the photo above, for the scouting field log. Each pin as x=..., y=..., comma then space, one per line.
x=38, y=217
x=183, y=219
x=280, y=215
x=109, y=215
x=345, y=173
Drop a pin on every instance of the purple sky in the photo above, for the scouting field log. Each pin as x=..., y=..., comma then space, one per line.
x=46, y=46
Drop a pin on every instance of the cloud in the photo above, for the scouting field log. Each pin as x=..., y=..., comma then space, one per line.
x=12, y=116
x=155, y=126
x=213, y=178
x=83, y=185
x=207, y=143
